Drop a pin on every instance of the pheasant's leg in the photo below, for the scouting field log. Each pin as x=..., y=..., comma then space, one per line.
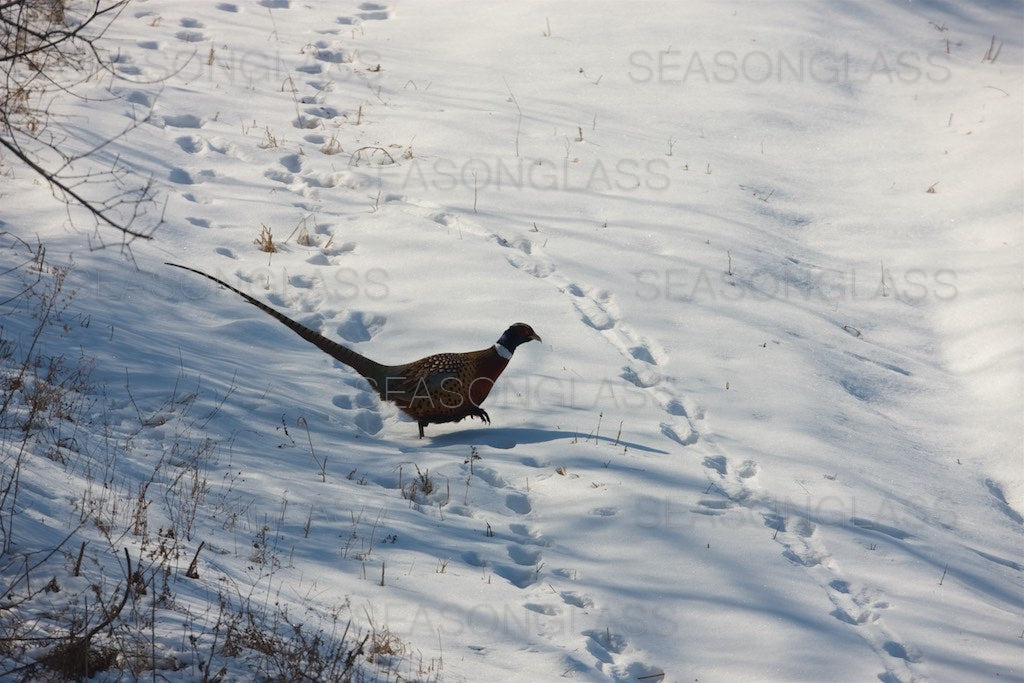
x=481, y=413
x=422, y=425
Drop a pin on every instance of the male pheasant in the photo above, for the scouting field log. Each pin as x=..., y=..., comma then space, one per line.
x=445, y=387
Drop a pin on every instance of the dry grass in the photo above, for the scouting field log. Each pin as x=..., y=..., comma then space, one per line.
x=265, y=240
x=86, y=606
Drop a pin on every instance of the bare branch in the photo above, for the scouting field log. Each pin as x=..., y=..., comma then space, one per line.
x=47, y=54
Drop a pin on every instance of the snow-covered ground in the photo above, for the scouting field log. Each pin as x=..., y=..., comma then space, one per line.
x=774, y=250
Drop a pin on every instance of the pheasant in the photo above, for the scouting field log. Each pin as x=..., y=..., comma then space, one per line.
x=445, y=387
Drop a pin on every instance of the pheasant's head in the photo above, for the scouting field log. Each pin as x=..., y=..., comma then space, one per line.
x=518, y=333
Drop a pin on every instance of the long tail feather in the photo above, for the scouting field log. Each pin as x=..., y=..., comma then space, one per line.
x=369, y=369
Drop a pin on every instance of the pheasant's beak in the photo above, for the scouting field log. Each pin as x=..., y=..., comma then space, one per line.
x=535, y=337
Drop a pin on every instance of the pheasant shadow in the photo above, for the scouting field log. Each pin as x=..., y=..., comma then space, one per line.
x=510, y=437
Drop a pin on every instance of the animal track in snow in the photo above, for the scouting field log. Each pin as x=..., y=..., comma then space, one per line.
x=301, y=281
x=369, y=421
x=140, y=98
x=126, y=69
x=643, y=353
x=279, y=176
x=594, y=315
x=894, y=649
x=671, y=432
x=855, y=607
x=361, y=400
x=602, y=644
x=195, y=198
x=713, y=506
x=183, y=177
x=191, y=144
x=538, y=270
x=325, y=180
x=518, y=503
x=226, y=148
x=525, y=554
x=527, y=533
x=182, y=121
x=610, y=650
x=368, y=11
x=373, y=11
x=748, y=469
x=359, y=326
x=531, y=461
x=517, y=576
x=803, y=544
x=645, y=378
x=323, y=112
x=545, y=609
x=292, y=163
x=490, y=476
x=522, y=555
x=190, y=36
x=524, y=543
x=325, y=52
x=718, y=463
x=861, y=608
x=576, y=599
x=597, y=309
x=474, y=559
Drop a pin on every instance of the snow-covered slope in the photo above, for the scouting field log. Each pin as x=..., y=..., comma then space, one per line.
x=774, y=251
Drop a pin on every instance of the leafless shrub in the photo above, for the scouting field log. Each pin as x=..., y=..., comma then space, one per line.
x=420, y=487
x=81, y=606
x=49, y=51
x=40, y=395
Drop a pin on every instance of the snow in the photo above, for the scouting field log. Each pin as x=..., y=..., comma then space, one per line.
x=773, y=431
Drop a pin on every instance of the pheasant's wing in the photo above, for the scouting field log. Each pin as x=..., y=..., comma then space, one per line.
x=435, y=379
